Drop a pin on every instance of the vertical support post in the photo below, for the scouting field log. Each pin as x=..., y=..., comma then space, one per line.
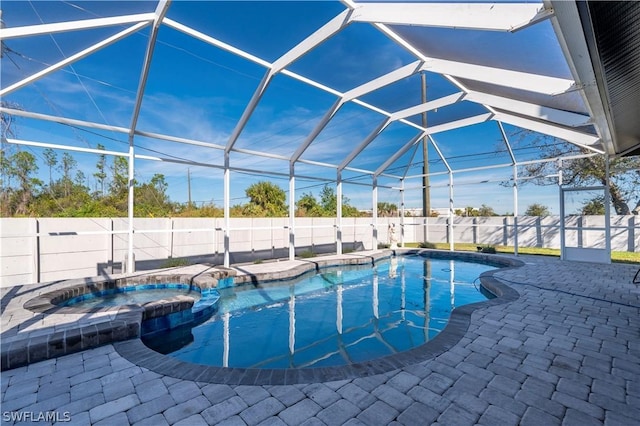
x=171, y=227
x=450, y=211
x=292, y=212
x=36, y=253
x=515, y=209
x=631, y=234
x=374, y=210
x=607, y=209
x=130, y=230
x=515, y=187
x=426, y=194
x=402, y=213
x=562, y=240
x=339, y=213
x=111, y=253
x=227, y=199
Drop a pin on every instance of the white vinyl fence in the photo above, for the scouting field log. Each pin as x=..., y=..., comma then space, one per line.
x=48, y=249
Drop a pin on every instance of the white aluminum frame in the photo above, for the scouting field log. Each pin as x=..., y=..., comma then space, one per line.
x=496, y=17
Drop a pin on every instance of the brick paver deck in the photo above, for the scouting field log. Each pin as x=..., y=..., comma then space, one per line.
x=567, y=351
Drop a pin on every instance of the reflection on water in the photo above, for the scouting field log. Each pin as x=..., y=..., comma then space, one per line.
x=334, y=318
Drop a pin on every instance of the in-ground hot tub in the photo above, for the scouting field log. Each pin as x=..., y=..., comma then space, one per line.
x=102, y=311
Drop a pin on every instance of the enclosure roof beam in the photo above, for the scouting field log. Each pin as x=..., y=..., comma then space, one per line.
x=439, y=151
x=516, y=79
x=92, y=125
x=382, y=81
x=85, y=24
x=65, y=147
x=428, y=106
x=470, y=121
x=506, y=142
x=489, y=167
x=161, y=11
x=477, y=16
x=399, y=153
x=361, y=90
x=214, y=42
x=316, y=131
x=62, y=120
x=413, y=155
x=566, y=118
x=364, y=143
x=318, y=37
x=73, y=58
x=178, y=139
x=584, y=140
x=302, y=48
x=318, y=163
x=248, y=111
x=501, y=77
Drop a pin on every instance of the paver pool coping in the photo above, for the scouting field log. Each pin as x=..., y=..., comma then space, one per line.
x=459, y=321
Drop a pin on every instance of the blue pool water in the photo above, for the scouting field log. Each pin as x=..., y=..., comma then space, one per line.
x=137, y=295
x=336, y=317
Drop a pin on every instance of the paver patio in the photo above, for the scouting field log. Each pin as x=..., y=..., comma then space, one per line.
x=567, y=351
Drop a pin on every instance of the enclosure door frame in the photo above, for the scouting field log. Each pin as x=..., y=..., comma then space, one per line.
x=585, y=254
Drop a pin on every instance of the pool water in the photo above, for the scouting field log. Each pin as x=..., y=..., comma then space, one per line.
x=336, y=317
x=137, y=295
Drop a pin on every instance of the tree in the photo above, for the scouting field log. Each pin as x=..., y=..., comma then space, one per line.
x=328, y=201
x=267, y=198
x=152, y=199
x=120, y=177
x=329, y=204
x=595, y=207
x=387, y=209
x=485, y=211
x=307, y=205
x=51, y=160
x=537, y=210
x=66, y=167
x=588, y=171
x=469, y=211
x=101, y=170
x=23, y=166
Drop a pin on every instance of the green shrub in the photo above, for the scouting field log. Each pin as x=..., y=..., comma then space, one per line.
x=307, y=254
x=427, y=245
x=383, y=246
x=175, y=262
x=487, y=249
x=257, y=261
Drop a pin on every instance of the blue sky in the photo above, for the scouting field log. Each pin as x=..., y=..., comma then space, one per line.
x=198, y=91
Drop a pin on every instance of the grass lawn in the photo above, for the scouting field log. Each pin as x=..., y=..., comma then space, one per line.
x=616, y=256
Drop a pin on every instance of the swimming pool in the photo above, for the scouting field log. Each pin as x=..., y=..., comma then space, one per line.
x=339, y=316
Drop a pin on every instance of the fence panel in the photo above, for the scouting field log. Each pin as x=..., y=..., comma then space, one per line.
x=57, y=248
